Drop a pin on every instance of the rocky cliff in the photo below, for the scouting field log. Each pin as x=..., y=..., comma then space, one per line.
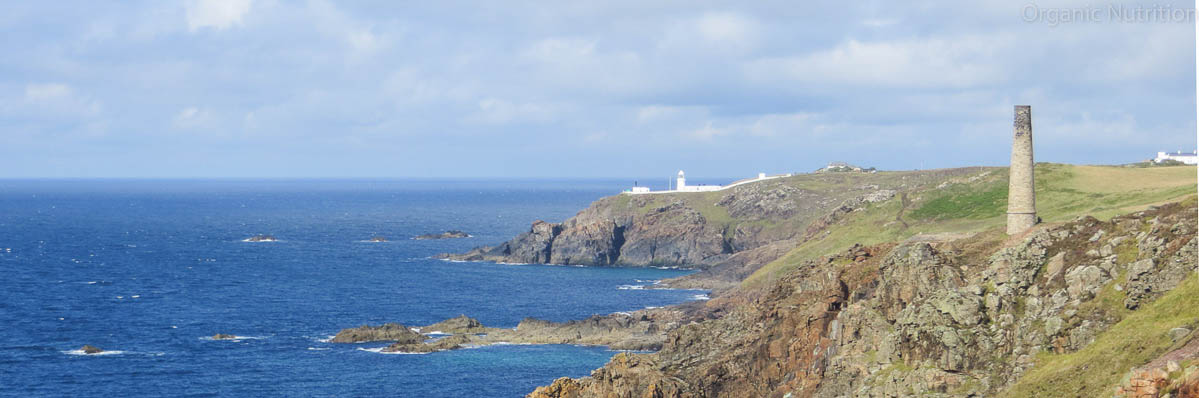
x=704, y=230
x=1066, y=309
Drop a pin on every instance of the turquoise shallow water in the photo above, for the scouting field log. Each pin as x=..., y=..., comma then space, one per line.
x=150, y=268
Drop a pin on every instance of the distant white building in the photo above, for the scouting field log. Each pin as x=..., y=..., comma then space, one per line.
x=1184, y=157
x=681, y=185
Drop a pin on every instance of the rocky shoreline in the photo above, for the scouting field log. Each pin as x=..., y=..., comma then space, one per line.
x=643, y=330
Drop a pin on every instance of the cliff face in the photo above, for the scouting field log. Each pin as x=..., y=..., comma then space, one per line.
x=964, y=317
x=702, y=230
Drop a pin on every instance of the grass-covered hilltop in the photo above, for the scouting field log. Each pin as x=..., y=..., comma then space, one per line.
x=903, y=283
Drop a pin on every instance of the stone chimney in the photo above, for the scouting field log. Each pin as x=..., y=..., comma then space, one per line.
x=1021, y=197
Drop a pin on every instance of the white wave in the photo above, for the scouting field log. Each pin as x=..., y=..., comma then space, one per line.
x=631, y=287
x=260, y=241
x=507, y=263
x=414, y=329
x=234, y=339
x=622, y=313
x=326, y=339
x=437, y=332
x=81, y=353
x=380, y=351
x=700, y=297
x=652, y=307
x=318, y=349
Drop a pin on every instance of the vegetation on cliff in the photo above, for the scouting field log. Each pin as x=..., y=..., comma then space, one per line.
x=917, y=291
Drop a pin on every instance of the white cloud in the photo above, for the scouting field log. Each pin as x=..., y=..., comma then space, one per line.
x=192, y=118
x=713, y=33
x=216, y=14
x=925, y=62
x=497, y=111
x=46, y=92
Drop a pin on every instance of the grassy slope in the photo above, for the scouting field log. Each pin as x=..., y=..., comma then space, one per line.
x=1063, y=192
x=831, y=185
x=1095, y=370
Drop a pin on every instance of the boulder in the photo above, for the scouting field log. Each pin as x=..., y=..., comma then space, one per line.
x=90, y=349
x=222, y=336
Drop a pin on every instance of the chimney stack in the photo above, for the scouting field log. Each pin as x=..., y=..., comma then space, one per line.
x=1021, y=199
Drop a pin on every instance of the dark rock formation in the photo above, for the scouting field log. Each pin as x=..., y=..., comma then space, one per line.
x=387, y=332
x=261, y=238
x=452, y=234
x=90, y=349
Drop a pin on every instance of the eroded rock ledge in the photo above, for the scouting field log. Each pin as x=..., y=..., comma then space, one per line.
x=643, y=330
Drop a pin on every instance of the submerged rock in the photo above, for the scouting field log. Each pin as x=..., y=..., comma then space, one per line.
x=378, y=239
x=451, y=234
x=222, y=336
x=90, y=349
x=261, y=238
x=387, y=332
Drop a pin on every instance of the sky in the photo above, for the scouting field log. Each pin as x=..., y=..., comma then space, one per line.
x=553, y=89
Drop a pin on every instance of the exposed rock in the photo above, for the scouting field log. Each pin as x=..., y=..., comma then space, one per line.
x=702, y=230
x=222, y=336
x=261, y=238
x=955, y=318
x=90, y=349
x=387, y=332
x=459, y=325
x=451, y=234
x=1177, y=334
x=442, y=344
x=378, y=239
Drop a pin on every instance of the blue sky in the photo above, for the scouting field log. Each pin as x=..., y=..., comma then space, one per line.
x=254, y=88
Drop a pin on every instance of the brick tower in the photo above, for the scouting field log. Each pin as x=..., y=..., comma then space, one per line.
x=1021, y=197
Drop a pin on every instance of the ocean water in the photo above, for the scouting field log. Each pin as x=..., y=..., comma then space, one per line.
x=150, y=269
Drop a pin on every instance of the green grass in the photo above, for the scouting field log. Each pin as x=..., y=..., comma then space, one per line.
x=966, y=201
x=1063, y=193
x=1095, y=370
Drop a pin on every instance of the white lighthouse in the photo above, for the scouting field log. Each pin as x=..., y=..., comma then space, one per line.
x=682, y=182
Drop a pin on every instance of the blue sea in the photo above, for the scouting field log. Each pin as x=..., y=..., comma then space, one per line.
x=150, y=269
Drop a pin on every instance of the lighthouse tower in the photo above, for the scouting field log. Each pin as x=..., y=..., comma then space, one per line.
x=682, y=182
x=1021, y=199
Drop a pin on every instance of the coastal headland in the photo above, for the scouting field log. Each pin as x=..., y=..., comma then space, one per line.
x=895, y=283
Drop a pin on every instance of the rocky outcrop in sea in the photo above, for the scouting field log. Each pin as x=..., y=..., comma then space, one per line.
x=452, y=234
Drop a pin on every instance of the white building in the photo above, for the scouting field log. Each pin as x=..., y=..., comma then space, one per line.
x=1184, y=157
x=681, y=185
